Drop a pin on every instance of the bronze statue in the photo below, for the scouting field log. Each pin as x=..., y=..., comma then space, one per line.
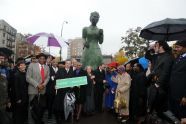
x=92, y=35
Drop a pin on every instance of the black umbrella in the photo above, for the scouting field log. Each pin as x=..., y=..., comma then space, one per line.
x=6, y=51
x=165, y=30
x=133, y=61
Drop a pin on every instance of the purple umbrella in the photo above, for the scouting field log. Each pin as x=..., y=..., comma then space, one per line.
x=44, y=39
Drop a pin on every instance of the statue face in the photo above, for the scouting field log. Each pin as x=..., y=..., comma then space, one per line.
x=94, y=19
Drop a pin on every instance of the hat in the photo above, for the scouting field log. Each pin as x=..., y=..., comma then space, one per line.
x=33, y=57
x=7, y=52
x=51, y=56
x=2, y=54
x=181, y=43
x=113, y=64
x=121, y=68
x=20, y=59
x=41, y=55
x=62, y=62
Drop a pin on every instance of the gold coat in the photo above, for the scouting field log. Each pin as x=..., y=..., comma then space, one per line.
x=124, y=82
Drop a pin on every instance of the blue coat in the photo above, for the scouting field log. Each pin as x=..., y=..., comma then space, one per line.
x=110, y=96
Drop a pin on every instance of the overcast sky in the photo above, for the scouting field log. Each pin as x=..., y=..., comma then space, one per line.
x=116, y=16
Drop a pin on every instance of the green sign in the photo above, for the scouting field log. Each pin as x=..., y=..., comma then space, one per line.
x=71, y=82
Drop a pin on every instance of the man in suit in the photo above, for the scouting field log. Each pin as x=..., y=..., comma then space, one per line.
x=178, y=81
x=58, y=106
x=50, y=89
x=38, y=75
x=80, y=91
x=99, y=87
x=158, y=91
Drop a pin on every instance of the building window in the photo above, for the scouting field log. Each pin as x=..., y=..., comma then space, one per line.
x=3, y=34
x=3, y=41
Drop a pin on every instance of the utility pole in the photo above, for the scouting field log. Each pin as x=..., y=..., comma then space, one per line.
x=60, y=52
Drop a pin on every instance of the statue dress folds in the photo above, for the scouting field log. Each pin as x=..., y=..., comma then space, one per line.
x=92, y=53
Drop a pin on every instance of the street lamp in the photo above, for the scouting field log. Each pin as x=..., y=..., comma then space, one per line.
x=64, y=22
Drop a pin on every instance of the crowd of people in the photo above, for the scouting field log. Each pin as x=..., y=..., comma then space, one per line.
x=133, y=94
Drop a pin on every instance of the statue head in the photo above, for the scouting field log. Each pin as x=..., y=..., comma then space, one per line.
x=94, y=18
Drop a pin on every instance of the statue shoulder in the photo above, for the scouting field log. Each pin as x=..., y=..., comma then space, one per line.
x=84, y=32
x=85, y=28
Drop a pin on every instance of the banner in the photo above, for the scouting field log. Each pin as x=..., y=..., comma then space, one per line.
x=71, y=82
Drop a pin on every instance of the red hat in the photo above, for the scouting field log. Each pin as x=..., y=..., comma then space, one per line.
x=113, y=64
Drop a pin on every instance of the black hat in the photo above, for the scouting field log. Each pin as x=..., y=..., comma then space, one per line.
x=2, y=54
x=41, y=55
x=51, y=56
x=7, y=52
x=33, y=57
x=62, y=62
x=20, y=59
x=181, y=43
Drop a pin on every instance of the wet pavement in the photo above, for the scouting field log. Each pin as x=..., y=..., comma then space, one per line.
x=98, y=118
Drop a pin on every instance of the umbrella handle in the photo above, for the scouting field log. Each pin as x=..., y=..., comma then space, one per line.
x=39, y=96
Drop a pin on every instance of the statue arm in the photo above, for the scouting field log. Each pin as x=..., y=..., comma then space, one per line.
x=100, y=36
x=84, y=33
x=84, y=36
